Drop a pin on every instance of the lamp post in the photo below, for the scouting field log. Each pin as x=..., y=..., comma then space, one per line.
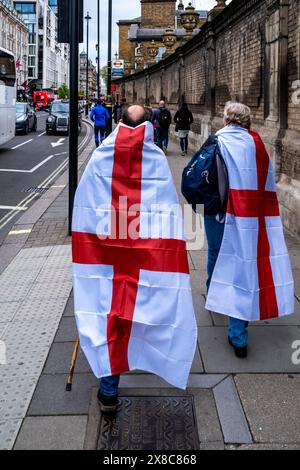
x=109, y=101
x=98, y=52
x=87, y=18
x=74, y=11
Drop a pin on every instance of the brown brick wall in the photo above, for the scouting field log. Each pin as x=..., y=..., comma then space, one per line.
x=126, y=48
x=158, y=12
x=250, y=53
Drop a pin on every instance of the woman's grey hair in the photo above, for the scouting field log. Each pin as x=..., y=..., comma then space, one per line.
x=238, y=114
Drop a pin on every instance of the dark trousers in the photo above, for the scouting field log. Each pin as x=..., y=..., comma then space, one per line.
x=99, y=130
x=162, y=137
x=184, y=143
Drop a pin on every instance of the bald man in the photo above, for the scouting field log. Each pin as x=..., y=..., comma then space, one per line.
x=129, y=287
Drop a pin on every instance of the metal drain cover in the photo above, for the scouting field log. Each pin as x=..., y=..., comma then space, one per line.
x=150, y=423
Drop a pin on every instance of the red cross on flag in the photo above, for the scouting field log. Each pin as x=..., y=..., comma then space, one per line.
x=133, y=301
x=252, y=279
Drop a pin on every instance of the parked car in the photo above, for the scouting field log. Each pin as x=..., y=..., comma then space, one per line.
x=26, y=120
x=59, y=117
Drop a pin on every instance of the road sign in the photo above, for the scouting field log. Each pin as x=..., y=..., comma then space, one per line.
x=118, y=67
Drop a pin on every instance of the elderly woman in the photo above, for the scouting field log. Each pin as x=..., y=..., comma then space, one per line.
x=249, y=272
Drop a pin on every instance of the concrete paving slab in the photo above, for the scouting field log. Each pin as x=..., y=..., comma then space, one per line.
x=203, y=316
x=198, y=281
x=40, y=309
x=50, y=397
x=272, y=406
x=212, y=446
x=270, y=350
x=59, y=359
x=67, y=331
x=233, y=421
x=52, y=433
x=15, y=397
x=207, y=417
x=8, y=432
x=263, y=447
x=69, y=309
x=8, y=310
x=7, y=254
x=197, y=366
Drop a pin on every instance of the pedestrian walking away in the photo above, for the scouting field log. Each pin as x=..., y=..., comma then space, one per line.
x=183, y=120
x=129, y=288
x=249, y=271
x=100, y=116
x=162, y=118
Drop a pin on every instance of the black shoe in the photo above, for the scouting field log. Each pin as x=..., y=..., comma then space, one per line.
x=240, y=352
x=107, y=404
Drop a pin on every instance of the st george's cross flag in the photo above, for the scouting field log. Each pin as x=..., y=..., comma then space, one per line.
x=133, y=301
x=252, y=279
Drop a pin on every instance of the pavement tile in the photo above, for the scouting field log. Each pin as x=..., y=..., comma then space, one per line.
x=263, y=447
x=212, y=446
x=59, y=359
x=52, y=433
x=15, y=397
x=50, y=397
x=272, y=406
x=67, y=331
x=270, y=350
x=69, y=310
x=8, y=310
x=207, y=417
x=9, y=429
x=233, y=422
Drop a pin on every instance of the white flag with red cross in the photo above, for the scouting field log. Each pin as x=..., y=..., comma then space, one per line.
x=133, y=301
x=252, y=279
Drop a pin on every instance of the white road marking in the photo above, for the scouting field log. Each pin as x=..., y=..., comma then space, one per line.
x=10, y=215
x=21, y=145
x=59, y=142
x=20, y=232
x=12, y=170
x=13, y=208
x=43, y=133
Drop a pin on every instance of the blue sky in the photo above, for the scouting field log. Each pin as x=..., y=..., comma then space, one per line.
x=122, y=9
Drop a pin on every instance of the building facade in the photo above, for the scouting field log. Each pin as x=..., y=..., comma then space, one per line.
x=250, y=52
x=163, y=26
x=92, y=76
x=48, y=61
x=14, y=38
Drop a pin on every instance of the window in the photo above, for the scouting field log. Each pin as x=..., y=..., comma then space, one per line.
x=7, y=69
x=25, y=8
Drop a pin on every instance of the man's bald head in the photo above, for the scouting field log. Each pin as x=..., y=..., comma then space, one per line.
x=135, y=115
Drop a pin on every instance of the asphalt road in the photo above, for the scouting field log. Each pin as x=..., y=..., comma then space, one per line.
x=30, y=164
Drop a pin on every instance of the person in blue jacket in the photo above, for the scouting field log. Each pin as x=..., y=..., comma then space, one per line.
x=100, y=116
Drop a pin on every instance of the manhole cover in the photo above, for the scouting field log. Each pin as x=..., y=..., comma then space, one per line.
x=150, y=423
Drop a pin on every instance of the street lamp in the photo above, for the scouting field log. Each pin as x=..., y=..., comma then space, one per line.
x=109, y=103
x=87, y=18
x=98, y=52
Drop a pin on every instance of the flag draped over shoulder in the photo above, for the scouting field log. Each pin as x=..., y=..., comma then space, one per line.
x=252, y=279
x=133, y=301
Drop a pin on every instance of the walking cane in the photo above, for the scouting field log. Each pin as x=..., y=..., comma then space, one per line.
x=72, y=366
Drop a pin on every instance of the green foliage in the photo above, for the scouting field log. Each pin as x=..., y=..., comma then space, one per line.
x=63, y=92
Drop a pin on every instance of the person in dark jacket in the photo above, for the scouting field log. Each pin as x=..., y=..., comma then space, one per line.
x=161, y=118
x=100, y=116
x=183, y=120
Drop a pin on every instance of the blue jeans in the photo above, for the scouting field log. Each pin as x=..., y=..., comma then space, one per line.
x=101, y=130
x=109, y=385
x=237, y=331
x=162, y=137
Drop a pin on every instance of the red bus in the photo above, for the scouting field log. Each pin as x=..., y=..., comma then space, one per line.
x=42, y=99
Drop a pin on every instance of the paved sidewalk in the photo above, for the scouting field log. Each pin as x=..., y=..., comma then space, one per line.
x=253, y=403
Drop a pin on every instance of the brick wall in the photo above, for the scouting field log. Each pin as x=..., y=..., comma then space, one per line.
x=158, y=12
x=251, y=53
